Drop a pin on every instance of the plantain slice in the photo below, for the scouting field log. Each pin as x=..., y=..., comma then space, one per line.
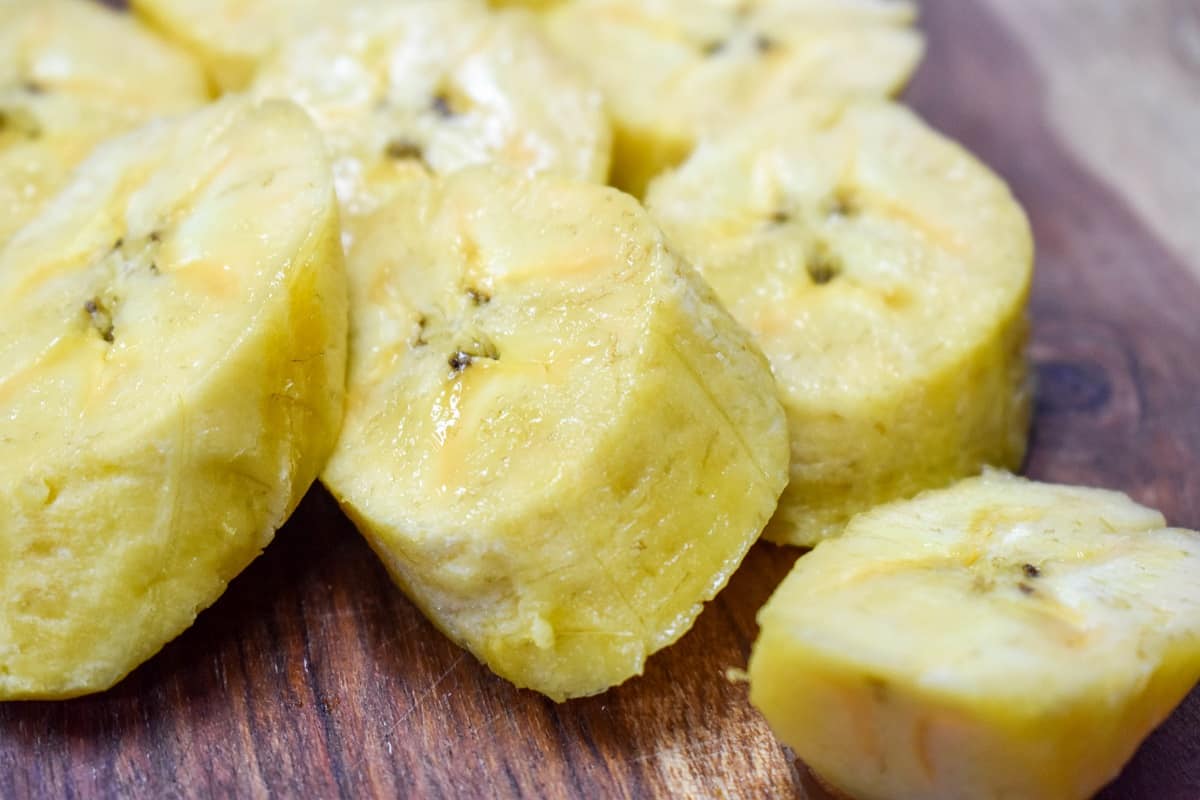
x=172, y=366
x=885, y=272
x=556, y=439
x=998, y=639
x=437, y=86
x=675, y=70
x=72, y=74
x=232, y=38
x=536, y=5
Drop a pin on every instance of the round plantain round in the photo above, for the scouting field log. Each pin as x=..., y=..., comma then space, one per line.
x=1001, y=638
x=674, y=70
x=434, y=87
x=885, y=272
x=172, y=366
x=556, y=439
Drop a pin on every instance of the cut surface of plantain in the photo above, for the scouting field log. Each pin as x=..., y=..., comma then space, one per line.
x=72, y=74
x=232, y=38
x=885, y=272
x=172, y=366
x=536, y=5
x=437, y=86
x=556, y=439
x=675, y=70
x=997, y=639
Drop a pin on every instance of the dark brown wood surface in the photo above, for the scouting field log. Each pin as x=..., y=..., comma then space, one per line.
x=313, y=676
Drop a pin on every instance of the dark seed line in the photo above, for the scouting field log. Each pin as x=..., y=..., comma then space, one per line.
x=422, y=322
x=464, y=357
x=403, y=149
x=441, y=106
x=843, y=204
x=27, y=126
x=101, y=319
x=823, y=266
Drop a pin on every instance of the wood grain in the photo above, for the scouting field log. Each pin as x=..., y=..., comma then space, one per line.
x=313, y=676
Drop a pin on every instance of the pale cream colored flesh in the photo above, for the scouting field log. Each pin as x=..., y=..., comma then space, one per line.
x=556, y=439
x=172, y=362
x=997, y=639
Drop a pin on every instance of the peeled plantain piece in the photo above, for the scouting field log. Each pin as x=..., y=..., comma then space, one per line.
x=885, y=272
x=231, y=38
x=556, y=439
x=437, y=86
x=72, y=74
x=674, y=71
x=998, y=639
x=536, y=5
x=172, y=367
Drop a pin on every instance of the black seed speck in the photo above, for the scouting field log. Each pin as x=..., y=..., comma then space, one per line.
x=843, y=204
x=1025, y=588
x=101, y=318
x=460, y=361
x=402, y=149
x=478, y=297
x=1031, y=571
x=781, y=218
x=441, y=106
x=823, y=266
x=23, y=126
x=155, y=237
x=118, y=244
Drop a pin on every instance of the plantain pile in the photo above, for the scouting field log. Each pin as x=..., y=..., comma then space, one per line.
x=385, y=257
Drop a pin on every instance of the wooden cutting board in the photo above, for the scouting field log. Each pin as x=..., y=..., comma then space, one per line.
x=314, y=677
